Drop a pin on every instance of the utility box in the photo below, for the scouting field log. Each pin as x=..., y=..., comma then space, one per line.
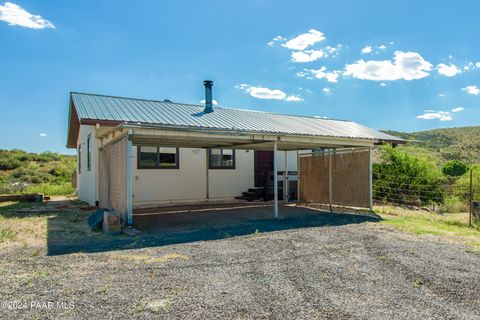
x=476, y=210
x=111, y=223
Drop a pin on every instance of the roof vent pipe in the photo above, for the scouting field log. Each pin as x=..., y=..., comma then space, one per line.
x=208, y=96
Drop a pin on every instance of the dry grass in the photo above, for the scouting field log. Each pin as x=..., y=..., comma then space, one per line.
x=452, y=226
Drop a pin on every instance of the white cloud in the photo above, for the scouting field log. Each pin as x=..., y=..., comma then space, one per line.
x=477, y=64
x=307, y=55
x=435, y=115
x=214, y=102
x=276, y=39
x=458, y=109
x=382, y=47
x=441, y=95
x=383, y=84
x=405, y=65
x=448, y=70
x=305, y=40
x=15, y=15
x=472, y=90
x=367, y=49
x=43, y=135
x=266, y=93
x=322, y=73
x=333, y=51
x=327, y=90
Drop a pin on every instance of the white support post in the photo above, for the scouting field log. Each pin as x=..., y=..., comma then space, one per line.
x=275, y=180
x=298, y=178
x=207, y=166
x=129, y=179
x=330, y=193
x=370, y=179
x=285, y=179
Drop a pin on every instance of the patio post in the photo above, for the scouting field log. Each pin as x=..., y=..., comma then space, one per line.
x=285, y=179
x=275, y=180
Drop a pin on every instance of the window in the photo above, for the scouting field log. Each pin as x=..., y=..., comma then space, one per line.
x=79, y=158
x=89, y=152
x=157, y=157
x=221, y=159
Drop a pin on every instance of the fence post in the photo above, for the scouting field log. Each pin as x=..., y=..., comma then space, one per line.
x=471, y=197
x=370, y=178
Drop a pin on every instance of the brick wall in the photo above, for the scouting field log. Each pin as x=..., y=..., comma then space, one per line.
x=113, y=176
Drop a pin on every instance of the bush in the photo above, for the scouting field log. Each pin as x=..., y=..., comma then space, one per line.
x=406, y=179
x=454, y=204
x=63, y=189
x=454, y=168
x=9, y=163
x=462, y=185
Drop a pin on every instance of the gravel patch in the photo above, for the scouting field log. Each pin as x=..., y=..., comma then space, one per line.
x=331, y=270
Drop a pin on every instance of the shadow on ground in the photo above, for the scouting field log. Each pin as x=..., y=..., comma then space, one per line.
x=183, y=227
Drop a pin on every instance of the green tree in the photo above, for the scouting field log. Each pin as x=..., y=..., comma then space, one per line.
x=403, y=178
x=462, y=185
x=454, y=168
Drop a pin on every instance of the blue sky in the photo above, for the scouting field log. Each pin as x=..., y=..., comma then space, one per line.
x=404, y=65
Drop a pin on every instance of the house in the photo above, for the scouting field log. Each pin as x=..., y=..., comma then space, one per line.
x=136, y=152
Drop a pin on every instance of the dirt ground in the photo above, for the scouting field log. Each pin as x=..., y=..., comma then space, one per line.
x=307, y=265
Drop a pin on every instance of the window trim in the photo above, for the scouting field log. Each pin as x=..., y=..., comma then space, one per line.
x=158, y=166
x=79, y=158
x=89, y=152
x=234, y=159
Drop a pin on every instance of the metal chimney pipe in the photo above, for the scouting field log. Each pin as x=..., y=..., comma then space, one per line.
x=208, y=96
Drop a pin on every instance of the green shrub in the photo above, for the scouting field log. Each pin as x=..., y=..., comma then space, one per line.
x=454, y=204
x=454, y=168
x=403, y=178
x=63, y=189
x=9, y=163
x=462, y=185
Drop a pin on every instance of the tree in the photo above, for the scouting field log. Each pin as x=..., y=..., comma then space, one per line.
x=454, y=168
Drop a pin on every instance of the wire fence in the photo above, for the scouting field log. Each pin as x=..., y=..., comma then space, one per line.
x=447, y=194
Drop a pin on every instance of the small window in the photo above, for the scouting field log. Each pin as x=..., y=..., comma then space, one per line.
x=79, y=160
x=89, y=152
x=222, y=159
x=157, y=157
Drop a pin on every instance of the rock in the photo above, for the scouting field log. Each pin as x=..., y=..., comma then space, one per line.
x=95, y=220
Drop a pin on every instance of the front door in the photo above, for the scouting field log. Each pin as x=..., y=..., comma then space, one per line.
x=263, y=164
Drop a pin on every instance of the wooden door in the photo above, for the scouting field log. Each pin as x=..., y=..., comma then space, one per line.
x=263, y=164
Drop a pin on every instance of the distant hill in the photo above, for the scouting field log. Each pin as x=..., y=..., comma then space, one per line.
x=47, y=172
x=442, y=145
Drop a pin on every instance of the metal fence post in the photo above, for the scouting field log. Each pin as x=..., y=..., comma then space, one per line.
x=471, y=197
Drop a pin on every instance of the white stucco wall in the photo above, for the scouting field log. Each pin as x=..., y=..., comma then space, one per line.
x=87, y=180
x=189, y=182
x=227, y=183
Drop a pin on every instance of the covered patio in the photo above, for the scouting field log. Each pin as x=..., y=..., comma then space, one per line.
x=116, y=163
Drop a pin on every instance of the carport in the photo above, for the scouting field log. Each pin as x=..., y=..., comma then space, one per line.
x=337, y=172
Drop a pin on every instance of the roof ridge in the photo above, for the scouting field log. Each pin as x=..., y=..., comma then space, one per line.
x=219, y=107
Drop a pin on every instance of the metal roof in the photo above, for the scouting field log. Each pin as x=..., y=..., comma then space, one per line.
x=167, y=113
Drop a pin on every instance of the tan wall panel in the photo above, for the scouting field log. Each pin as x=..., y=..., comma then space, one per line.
x=350, y=178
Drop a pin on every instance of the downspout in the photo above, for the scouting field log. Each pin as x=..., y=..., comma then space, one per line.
x=129, y=178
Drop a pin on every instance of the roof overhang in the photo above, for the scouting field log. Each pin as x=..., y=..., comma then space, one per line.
x=194, y=138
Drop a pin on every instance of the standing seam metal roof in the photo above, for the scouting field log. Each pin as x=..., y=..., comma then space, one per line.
x=151, y=112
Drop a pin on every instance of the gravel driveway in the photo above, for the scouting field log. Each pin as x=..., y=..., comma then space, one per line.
x=341, y=271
